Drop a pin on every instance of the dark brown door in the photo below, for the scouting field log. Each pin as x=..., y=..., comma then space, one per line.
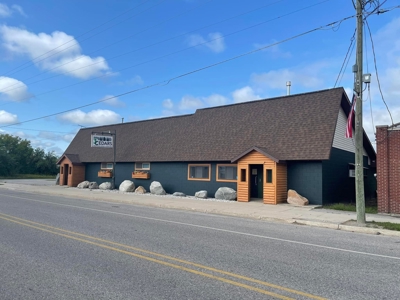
x=65, y=175
x=256, y=181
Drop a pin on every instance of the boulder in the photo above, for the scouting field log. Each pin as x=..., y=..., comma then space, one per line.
x=140, y=190
x=225, y=193
x=156, y=188
x=105, y=186
x=93, y=185
x=179, y=194
x=127, y=186
x=296, y=199
x=201, y=194
x=58, y=179
x=83, y=185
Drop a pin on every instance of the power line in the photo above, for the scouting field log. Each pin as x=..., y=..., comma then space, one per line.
x=40, y=130
x=165, y=82
x=376, y=71
x=166, y=55
x=345, y=58
x=129, y=52
x=34, y=60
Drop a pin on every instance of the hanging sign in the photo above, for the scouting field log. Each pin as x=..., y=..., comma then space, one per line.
x=104, y=141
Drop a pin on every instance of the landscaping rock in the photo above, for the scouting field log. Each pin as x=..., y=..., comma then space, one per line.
x=295, y=199
x=156, y=188
x=201, y=194
x=127, y=186
x=58, y=179
x=179, y=194
x=225, y=193
x=83, y=185
x=105, y=186
x=140, y=190
x=93, y=185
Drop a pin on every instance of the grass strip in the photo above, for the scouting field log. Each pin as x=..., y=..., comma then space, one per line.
x=351, y=207
x=387, y=225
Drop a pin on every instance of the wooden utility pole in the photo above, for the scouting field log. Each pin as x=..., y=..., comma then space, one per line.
x=358, y=85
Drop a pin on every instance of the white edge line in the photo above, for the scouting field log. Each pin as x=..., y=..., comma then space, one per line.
x=212, y=228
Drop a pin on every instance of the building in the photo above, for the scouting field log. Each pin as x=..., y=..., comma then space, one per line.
x=260, y=148
x=388, y=168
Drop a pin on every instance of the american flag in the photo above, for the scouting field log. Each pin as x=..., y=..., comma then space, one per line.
x=349, y=127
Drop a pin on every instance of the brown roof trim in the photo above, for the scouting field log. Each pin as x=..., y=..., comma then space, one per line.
x=258, y=149
x=73, y=158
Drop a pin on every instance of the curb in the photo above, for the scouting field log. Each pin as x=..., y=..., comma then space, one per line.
x=335, y=226
x=367, y=230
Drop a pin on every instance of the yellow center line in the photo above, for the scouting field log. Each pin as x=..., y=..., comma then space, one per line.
x=271, y=285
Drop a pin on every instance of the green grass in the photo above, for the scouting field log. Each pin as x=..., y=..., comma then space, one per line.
x=351, y=207
x=387, y=225
x=29, y=176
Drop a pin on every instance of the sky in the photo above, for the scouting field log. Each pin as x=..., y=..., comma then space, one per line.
x=66, y=65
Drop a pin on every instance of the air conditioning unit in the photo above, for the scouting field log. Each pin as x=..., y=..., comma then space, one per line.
x=352, y=173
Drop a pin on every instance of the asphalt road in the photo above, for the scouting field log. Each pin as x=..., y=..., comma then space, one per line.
x=59, y=248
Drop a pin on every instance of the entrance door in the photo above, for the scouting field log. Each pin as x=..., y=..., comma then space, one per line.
x=256, y=181
x=65, y=175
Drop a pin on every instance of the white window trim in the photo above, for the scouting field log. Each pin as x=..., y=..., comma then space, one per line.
x=106, y=168
x=139, y=169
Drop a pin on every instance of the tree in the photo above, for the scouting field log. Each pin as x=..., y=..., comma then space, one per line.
x=18, y=157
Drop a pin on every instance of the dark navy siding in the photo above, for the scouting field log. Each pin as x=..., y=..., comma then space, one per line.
x=172, y=175
x=338, y=186
x=305, y=177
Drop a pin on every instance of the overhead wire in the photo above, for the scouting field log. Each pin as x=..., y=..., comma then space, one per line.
x=346, y=57
x=167, y=81
x=165, y=55
x=376, y=72
x=32, y=61
x=142, y=48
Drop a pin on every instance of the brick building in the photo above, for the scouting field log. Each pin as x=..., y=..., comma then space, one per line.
x=388, y=168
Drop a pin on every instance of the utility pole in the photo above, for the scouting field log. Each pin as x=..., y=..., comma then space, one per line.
x=358, y=86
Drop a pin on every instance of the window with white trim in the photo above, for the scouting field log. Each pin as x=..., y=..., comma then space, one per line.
x=106, y=166
x=142, y=166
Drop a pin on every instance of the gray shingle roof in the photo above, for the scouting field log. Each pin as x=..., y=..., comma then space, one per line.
x=296, y=127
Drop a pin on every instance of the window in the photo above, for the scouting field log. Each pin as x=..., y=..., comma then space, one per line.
x=106, y=165
x=70, y=170
x=243, y=175
x=199, y=172
x=62, y=170
x=269, y=176
x=142, y=166
x=226, y=173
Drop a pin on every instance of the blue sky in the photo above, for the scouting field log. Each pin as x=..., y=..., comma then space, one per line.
x=59, y=55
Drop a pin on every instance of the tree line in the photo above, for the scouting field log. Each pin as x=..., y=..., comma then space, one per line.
x=17, y=156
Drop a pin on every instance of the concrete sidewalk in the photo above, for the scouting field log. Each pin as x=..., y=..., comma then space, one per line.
x=307, y=215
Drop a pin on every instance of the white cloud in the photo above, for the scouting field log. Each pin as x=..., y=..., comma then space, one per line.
x=94, y=117
x=190, y=103
x=276, y=79
x=168, y=104
x=13, y=89
x=113, y=101
x=274, y=51
x=7, y=118
x=19, y=9
x=66, y=57
x=136, y=80
x=215, y=100
x=216, y=41
x=6, y=11
x=244, y=94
